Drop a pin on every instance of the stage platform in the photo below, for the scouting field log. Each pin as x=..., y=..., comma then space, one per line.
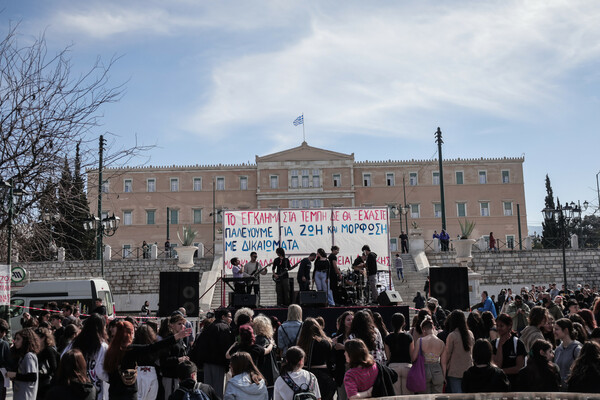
x=330, y=314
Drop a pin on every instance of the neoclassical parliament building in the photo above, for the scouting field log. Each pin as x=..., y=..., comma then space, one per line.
x=153, y=200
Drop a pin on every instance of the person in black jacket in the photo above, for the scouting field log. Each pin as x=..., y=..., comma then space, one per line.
x=213, y=343
x=72, y=381
x=483, y=376
x=585, y=373
x=304, y=272
x=188, y=384
x=540, y=374
x=175, y=354
x=122, y=358
x=48, y=359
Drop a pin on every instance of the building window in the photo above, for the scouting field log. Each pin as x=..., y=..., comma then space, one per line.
x=197, y=216
x=305, y=178
x=316, y=178
x=505, y=176
x=243, y=183
x=105, y=186
x=104, y=214
x=437, y=210
x=510, y=241
x=126, y=250
x=508, y=209
x=461, y=209
x=150, y=214
x=317, y=203
x=389, y=179
x=128, y=186
x=174, y=216
x=366, y=180
x=435, y=178
x=197, y=184
x=274, y=181
x=415, y=211
x=459, y=177
x=295, y=204
x=151, y=185
x=482, y=176
x=412, y=179
x=485, y=209
x=294, y=182
x=220, y=183
x=393, y=244
x=337, y=180
x=174, y=184
x=127, y=218
x=305, y=203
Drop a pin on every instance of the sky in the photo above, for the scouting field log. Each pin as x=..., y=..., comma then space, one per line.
x=220, y=82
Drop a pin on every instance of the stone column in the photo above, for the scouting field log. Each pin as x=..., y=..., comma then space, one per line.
x=574, y=242
x=154, y=252
x=528, y=244
x=61, y=254
x=436, y=245
x=107, y=252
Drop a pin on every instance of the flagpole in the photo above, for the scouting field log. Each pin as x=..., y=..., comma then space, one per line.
x=303, y=134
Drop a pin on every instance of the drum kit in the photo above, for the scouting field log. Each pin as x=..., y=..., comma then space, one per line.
x=351, y=289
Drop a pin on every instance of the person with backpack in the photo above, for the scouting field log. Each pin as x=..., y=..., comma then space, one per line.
x=189, y=388
x=288, y=332
x=296, y=383
x=509, y=351
x=247, y=383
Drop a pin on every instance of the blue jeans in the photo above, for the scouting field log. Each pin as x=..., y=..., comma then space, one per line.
x=400, y=273
x=322, y=283
x=453, y=385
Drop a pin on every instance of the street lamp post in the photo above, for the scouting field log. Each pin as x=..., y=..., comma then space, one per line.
x=566, y=216
x=103, y=227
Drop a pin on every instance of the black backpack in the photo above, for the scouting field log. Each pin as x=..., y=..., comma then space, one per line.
x=303, y=392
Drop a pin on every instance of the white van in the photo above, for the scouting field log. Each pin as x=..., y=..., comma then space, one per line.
x=81, y=293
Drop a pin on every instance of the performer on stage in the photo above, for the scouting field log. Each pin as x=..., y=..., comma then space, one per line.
x=281, y=265
x=359, y=266
x=335, y=276
x=304, y=272
x=371, y=264
x=250, y=269
x=321, y=275
x=238, y=272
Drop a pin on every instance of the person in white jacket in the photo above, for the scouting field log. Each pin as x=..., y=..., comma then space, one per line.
x=247, y=382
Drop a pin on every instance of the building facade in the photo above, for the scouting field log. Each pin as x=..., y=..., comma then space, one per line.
x=155, y=202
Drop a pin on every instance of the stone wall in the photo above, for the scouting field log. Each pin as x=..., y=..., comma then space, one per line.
x=523, y=268
x=132, y=281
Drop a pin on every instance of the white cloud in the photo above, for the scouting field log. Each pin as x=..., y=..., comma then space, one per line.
x=356, y=69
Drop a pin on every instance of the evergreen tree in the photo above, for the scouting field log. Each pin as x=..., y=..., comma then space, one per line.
x=85, y=240
x=550, y=229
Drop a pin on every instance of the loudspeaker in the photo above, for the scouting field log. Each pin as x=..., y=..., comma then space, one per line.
x=389, y=298
x=178, y=289
x=312, y=298
x=238, y=300
x=450, y=286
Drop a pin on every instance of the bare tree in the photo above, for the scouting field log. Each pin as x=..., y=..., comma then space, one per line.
x=45, y=111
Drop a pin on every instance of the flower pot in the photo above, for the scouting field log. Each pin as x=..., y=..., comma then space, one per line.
x=463, y=247
x=186, y=257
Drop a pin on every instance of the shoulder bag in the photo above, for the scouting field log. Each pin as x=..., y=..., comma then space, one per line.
x=415, y=380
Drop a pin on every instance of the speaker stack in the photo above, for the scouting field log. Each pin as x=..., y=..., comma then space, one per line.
x=450, y=286
x=389, y=298
x=312, y=298
x=179, y=289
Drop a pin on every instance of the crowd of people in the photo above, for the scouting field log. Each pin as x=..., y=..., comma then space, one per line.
x=546, y=346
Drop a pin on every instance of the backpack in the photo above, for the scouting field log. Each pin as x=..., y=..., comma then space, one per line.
x=194, y=394
x=303, y=392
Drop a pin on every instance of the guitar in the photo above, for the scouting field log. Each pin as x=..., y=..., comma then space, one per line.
x=261, y=269
x=277, y=279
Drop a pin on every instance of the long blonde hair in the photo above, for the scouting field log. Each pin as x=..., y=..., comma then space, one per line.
x=262, y=326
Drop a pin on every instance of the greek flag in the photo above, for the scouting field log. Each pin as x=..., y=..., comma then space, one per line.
x=299, y=120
